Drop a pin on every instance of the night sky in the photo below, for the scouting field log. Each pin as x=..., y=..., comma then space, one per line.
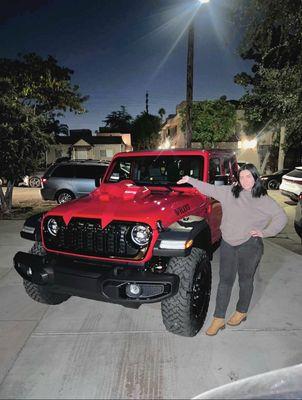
x=119, y=49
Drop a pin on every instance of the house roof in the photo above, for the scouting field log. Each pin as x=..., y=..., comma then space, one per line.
x=92, y=140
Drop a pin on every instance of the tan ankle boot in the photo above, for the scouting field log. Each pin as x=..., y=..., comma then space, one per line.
x=237, y=318
x=216, y=325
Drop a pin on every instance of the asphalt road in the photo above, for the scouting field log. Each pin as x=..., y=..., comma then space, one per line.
x=287, y=238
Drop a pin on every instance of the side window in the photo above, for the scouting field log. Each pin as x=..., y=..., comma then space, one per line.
x=226, y=166
x=234, y=167
x=121, y=171
x=63, y=171
x=214, y=169
x=89, y=171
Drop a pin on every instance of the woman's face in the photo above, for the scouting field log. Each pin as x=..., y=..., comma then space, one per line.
x=246, y=180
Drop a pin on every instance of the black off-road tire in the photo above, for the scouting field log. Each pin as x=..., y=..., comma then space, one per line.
x=41, y=293
x=184, y=314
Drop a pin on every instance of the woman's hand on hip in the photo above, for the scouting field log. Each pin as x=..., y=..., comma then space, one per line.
x=256, y=233
x=184, y=179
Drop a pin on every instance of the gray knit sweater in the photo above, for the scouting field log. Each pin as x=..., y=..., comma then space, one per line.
x=244, y=214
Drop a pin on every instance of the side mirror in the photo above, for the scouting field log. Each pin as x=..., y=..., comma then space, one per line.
x=221, y=180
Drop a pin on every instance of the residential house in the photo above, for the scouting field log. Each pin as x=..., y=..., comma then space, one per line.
x=81, y=144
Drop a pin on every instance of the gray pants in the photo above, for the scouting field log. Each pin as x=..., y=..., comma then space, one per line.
x=243, y=259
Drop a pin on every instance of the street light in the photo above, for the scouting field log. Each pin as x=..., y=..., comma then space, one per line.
x=189, y=97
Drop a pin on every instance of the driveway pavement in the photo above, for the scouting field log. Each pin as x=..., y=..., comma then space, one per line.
x=87, y=349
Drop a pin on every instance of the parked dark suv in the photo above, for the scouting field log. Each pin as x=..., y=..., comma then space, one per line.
x=69, y=180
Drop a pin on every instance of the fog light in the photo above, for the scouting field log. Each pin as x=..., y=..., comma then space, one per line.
x=133, y=290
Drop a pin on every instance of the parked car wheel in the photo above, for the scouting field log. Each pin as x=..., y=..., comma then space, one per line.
x=64, y=196
x=273, y=184
x=34, y=182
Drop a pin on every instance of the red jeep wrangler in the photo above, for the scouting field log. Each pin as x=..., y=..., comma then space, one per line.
x=137, y=238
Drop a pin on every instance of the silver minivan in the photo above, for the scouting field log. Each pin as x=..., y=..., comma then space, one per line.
x=72, y=179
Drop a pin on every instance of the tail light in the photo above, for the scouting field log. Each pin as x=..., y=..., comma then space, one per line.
x=43, y=180
x=300, y=197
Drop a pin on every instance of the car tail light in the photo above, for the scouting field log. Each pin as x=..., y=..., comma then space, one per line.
x=43, y=180
x=300, y=197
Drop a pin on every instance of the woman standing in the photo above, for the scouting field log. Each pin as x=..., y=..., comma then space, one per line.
x=248, y=215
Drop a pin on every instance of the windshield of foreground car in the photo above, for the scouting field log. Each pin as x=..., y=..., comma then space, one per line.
x=156, y=170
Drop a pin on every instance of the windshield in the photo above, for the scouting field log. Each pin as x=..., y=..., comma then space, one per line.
x=156, y=170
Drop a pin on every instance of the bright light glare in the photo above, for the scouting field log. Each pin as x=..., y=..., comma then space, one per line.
x=165, y=145
x=204, y=1
x=248, y=144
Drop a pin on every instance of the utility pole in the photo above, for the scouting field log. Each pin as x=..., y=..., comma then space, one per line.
x=189, y=98
x=147, y=101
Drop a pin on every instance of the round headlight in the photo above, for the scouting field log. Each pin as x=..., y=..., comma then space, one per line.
x=53, y=227
x=140, y=235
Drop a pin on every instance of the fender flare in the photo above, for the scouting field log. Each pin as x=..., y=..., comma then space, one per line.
x=171, y=242
x=32, y=228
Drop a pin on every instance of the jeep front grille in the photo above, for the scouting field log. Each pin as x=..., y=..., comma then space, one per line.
x=86, y=237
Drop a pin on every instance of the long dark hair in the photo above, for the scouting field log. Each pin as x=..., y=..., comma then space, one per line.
x=258, y=189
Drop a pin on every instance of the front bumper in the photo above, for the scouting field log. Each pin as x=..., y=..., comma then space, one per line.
x=96, y=281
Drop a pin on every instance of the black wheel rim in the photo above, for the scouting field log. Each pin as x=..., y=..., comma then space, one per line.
x=200, y=292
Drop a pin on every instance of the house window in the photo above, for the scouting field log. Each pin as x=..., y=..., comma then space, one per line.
x=109, y=153
x=81, y=154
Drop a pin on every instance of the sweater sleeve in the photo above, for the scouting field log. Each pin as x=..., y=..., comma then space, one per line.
x=278, y=220
x=217, y=192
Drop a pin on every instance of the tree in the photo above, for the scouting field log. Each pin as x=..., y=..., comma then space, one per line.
x=145, y=131
x=33, y=94
x=272, y=36
x=118, y=121
x=212, y=121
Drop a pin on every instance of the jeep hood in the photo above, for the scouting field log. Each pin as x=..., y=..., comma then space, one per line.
x=124, y=201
